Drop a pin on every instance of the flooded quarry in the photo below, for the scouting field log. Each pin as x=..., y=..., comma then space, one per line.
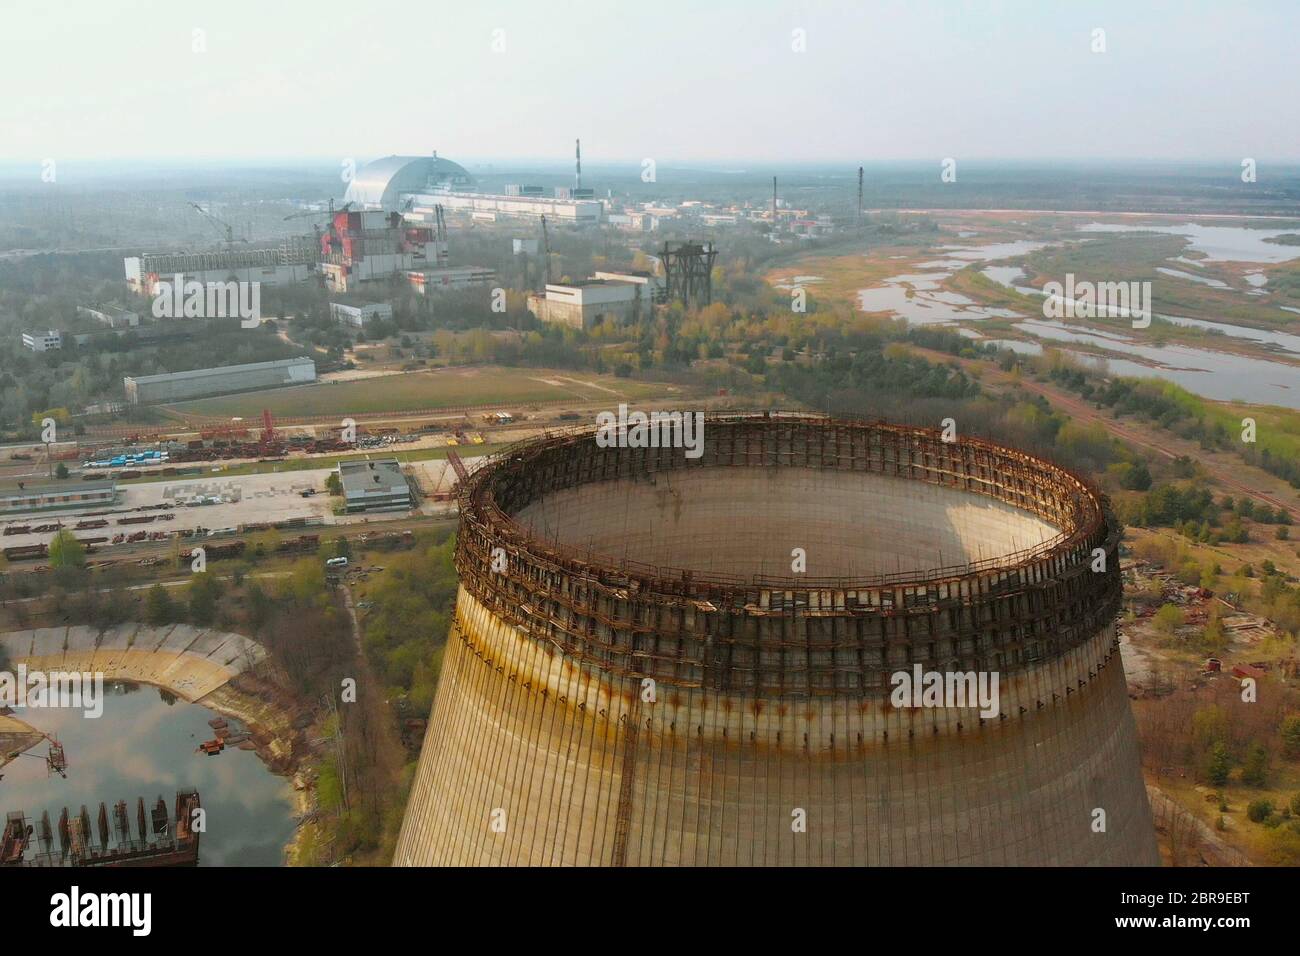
x=169, y=726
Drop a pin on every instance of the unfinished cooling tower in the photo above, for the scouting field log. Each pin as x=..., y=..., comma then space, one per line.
x=641, y=673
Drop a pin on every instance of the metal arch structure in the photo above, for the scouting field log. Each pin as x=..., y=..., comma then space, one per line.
x=380, y=184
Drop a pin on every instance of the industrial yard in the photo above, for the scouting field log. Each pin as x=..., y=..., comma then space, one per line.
x=196, y=505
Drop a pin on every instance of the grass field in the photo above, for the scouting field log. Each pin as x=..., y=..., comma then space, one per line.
x=1277, y=429
x=840, y=277
x=418, y=391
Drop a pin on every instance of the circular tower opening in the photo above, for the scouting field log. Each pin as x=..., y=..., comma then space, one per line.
x=658, y=656
x=746, y=521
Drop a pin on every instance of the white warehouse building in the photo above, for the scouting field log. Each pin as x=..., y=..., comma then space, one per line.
x=359, y=316
x=294, y=260
x=202, y=382
x=426, y=281
x=487, y=205
x=114, y=316
x=45, y=340
x=583, y=305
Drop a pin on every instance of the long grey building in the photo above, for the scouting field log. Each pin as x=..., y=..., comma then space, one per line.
x=293, y=260
x=201, y=382
x=52, y=497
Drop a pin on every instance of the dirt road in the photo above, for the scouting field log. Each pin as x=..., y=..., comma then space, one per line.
x=1227, y=470
x=1210, y=848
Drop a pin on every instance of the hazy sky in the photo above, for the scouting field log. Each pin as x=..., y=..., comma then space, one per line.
x=712, y=80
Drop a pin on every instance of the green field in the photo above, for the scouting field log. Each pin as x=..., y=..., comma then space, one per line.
x=425, y=390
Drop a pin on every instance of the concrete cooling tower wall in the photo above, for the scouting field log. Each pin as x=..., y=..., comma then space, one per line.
x=663, y=660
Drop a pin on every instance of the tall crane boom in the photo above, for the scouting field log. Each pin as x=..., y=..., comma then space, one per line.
x=462, y=475
x=221, y=224
x=317, y=213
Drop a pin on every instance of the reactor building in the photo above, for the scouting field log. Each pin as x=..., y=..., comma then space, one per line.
x=417, y=186
x=662, y=658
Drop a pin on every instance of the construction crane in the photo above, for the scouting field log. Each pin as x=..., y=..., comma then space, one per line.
x=221, y=224
x=315, y=213
x=55, y=761
x=268, y=427
x=458, y=466
x=546, y=250
x=439, y=218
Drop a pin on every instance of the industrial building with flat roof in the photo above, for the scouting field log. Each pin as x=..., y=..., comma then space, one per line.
x=374, y=484
x=583, y=305
x=577, y=211
x=56, y=497
x=293, y=260
x=653, y=287
x=359, y=316
x=372, y=245
x=45, y=340
x=425, y=281
x=114, y=316
x=201, y=382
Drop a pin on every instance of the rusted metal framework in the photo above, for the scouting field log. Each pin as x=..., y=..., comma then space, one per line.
x=688, y=269
x=793, y=636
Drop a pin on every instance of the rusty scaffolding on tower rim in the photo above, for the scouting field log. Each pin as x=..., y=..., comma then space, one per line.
x=793, y=636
